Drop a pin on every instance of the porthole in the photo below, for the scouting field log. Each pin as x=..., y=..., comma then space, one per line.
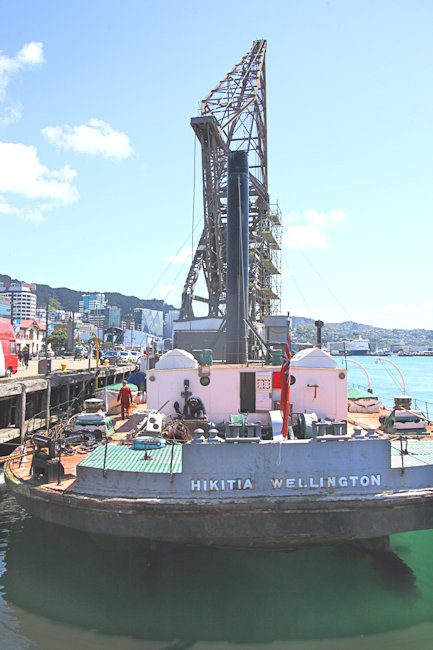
x=205, y=381
x=292, y=379
x=342, y=375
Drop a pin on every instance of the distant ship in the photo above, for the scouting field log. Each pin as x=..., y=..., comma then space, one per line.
x=358, y=347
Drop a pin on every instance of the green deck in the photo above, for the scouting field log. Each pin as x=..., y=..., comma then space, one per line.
x=167, y=460
x=126, y=459
x=420, y=452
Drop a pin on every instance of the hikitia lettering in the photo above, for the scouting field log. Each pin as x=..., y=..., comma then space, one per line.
x=216, y=484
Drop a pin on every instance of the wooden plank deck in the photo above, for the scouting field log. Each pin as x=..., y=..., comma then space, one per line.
x=21, y=467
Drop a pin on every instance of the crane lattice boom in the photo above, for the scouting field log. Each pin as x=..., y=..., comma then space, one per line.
x=233, y=116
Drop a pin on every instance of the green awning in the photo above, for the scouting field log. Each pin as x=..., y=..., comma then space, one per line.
x=357, y=393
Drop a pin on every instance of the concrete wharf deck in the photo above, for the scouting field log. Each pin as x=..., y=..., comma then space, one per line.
x=31, y=399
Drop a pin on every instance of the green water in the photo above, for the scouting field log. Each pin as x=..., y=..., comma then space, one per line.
x=63, y=589
x=62, y=586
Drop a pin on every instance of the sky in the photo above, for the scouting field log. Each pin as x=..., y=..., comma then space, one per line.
x=100, y=178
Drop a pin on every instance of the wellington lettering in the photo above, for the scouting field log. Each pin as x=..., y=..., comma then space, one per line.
x=292, y=483
x=327, y=482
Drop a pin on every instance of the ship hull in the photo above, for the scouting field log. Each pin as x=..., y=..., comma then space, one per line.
x=256, y=523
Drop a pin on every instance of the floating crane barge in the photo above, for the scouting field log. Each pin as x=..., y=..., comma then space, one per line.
x=237, y=478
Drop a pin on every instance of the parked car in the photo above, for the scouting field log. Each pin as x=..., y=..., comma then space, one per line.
x=108, y=354
x=45, y=355
x=125, y=356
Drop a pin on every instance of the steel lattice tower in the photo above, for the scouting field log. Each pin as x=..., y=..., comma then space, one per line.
x=233, y=116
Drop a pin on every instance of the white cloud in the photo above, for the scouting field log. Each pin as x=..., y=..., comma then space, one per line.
x=31, y=54
x=337, y=217
x=183, y=256
x=315, y=218
x=331, y=219
x=305, y=237
x=401, y=308
x=311, y=233
x=35, y=188
x=35, y=216
x=96, y=138
x=5, y=207
x=164, y=291
x=10, y=114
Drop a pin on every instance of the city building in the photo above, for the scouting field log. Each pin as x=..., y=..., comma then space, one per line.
x=22, y=299
x=5, y=306
x=149, y=320
x=112, y=317
x=41, y=314
x=169, y=319
x=30, y=333
x=92, y=306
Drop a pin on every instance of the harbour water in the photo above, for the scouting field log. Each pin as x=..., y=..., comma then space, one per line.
x=62, y=588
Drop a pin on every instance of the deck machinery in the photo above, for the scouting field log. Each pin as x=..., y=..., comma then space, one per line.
x=233, y=117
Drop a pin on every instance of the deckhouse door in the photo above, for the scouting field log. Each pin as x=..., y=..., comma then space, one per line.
x=248, y=392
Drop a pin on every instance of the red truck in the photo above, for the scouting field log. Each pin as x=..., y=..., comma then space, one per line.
x=8, y=350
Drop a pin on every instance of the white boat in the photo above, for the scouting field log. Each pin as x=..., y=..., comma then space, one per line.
x=358, y=347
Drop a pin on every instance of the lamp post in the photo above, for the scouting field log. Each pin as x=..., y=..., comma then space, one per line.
x=97, y=358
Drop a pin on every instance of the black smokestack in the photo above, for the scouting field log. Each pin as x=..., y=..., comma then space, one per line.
x=237, y=257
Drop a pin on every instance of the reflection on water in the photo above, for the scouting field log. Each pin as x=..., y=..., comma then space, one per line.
x=181, y=597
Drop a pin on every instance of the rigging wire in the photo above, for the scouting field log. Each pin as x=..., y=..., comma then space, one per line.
x=193, y=199
x=321, y=278
x=299, y=290
x=391, y=374
x=184, y=243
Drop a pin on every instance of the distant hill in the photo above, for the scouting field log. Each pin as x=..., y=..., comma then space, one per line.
x=303, y=328
x=379, y=337
x=69, y=298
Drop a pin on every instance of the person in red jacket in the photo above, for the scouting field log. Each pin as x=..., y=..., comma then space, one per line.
x=125, y=399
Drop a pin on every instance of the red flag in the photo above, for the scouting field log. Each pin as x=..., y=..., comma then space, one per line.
x=285, y=386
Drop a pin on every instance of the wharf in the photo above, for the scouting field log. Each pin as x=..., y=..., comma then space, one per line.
x=32, y=400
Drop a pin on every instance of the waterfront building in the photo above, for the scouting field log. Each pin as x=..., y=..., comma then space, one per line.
x=169, y=319
x=30, y=333
x=149, y=320
x=22, y=299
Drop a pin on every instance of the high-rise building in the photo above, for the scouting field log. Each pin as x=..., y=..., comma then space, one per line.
x=149, y=320
x=92, y=306
x=169, y=319
x=112, y=316
x=22, y=299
